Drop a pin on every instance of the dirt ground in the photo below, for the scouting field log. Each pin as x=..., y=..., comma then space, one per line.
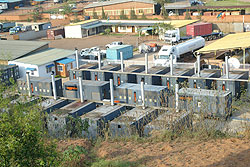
x=221, y=152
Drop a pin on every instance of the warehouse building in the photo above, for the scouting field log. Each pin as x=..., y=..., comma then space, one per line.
x=83, y=29
x=11, y=50
x=116, y=7
x=41, y=64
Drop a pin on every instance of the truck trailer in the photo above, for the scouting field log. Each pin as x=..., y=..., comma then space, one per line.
x=163, y=58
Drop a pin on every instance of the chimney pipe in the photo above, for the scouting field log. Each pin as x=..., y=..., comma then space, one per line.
x=28, y=84
x=99, y=60
x=142, y=94
x=146, y=63
x=77, y=58
x=199, y=64
x=111, y=92
x=81, y=89
x=177, y=97
x=227, y=67
x=53, y=84
x=171, y=64
x=121, y=56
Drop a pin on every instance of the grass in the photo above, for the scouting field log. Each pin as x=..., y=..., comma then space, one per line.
x=226, y=3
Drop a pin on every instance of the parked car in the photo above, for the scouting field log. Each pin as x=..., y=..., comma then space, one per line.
x=114, y=44
x=15, y=30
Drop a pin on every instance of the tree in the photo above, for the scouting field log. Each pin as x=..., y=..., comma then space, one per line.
x=187, y=15
x=161, y=28
x=163, y=10
x=123, y=16
x=143, y=17
x=94, y=14
x=132, y=14
x=22, y=134
x=37, y=13
x=107, y=31
x=103, y=14
x=67, y=10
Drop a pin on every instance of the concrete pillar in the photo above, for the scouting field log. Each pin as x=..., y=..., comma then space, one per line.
x=177, y=97
x=244, y=57
x=99, y=60
x=195, y=67
x=122, y=67
x=111, y=92
x=28, y=84
x=146, y=63
x=171, y=64
x=227, y=67
x=77, y=58
x=142, y=95
x=81, y=89
x=198, y=64
x=54, y=84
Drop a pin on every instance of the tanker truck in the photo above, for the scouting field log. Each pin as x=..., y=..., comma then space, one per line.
x=163, y=57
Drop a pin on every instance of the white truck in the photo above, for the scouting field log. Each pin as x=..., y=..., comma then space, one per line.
x=163, y=57
x=174, y=36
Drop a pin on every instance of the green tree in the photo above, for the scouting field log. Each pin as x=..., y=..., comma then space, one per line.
x=103, y=14
x=37, y=13
x=187, y=15
x=161, y=28
x=22, y=134
x=67, y=10
x=94, y=14
x=132, y=14
x=123, y=16
x=107, y=31
x=143, y=17
x=163, y=10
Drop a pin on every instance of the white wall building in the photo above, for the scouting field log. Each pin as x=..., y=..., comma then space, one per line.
x=41, y=64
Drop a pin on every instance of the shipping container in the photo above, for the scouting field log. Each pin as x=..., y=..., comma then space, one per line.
x=100, y=75
x=98, y=119
x=234, y=86
x=205, y=83
x=131, y=94
x=132, y=122
x=53, y=33
x=92, y=90
x=199, y=29
x=169, y=120
x=127, y=77
x=113, y=53
x=170, y=81
x=40, y=86
x=8, y=73
x=59, y=119
x=150, y=79
x=75, y=73
x=207, y=103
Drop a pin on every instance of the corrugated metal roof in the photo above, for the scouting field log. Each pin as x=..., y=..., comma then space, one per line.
x=11, y=50
x=203, y=92
x=231, y=41
x=175, y=23
x=178, y=4
x=82, y=22
x=66, y=61
x=46, y=56
x=112, y=2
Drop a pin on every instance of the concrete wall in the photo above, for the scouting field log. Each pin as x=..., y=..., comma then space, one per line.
x=228, y=27
x=30, y=35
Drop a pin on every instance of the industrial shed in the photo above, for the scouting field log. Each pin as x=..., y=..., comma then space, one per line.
x=229, y=43
x=11, y=50
x=83, y=29
x=41, y=64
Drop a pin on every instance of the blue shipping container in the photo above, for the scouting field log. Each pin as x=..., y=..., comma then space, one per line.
x=114, y=52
